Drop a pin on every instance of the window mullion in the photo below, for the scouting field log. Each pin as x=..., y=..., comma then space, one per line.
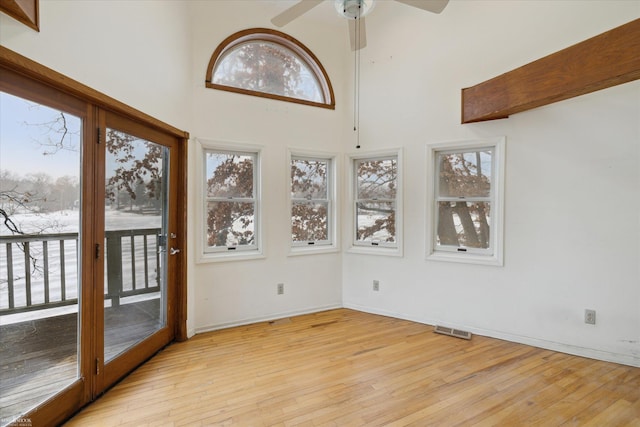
x=299, y=200
x=464, y=199
x=231, y=199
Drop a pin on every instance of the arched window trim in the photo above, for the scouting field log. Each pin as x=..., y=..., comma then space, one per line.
x=285, y=40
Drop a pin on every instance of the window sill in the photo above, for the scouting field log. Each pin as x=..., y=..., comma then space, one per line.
x=313, y=250
x=375, y=250
x=466, y=258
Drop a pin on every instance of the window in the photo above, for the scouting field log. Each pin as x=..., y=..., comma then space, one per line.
x=269, y=64
x=466, y=201
x=231, y=202
x=312, y=203
x=376, y=203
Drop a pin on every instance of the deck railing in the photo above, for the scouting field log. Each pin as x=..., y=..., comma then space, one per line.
x=127, y=250
x=42, y=271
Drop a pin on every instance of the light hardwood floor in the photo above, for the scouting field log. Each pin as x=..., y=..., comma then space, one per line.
x=343, y=367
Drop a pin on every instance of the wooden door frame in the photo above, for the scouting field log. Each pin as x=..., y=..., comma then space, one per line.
x=24, y=77
x=119, y=366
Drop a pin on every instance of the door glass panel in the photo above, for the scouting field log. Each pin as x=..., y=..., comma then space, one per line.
x=40, y=161
x=135, y=241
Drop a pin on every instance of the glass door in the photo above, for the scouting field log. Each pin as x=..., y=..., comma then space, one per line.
x=40, y=253
x=137, y=234
x=92, y=279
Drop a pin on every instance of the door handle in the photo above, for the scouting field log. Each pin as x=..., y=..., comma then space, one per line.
x=173, y=251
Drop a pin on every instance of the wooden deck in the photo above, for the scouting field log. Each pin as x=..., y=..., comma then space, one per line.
x=347, y=368
x=38, y=357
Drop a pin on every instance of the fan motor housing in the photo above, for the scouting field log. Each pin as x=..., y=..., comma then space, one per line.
x=354, y=9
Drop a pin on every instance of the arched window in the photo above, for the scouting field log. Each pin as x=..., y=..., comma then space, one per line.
x=270, y=64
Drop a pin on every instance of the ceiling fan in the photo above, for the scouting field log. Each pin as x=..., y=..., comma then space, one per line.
x=355, y=11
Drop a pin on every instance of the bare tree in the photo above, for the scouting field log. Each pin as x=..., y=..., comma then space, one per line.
x=309, y=217
x=230, y=220
x=55, y=134
x=377, y=185
x=263, y=67
x=463, y=177
x=139, y=178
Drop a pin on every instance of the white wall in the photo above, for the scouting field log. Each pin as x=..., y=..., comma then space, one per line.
x=572, y=229
x=239, y=292
x=134, y=51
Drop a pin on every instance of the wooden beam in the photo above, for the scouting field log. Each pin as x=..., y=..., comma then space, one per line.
x=25, y=11
x=606, y=60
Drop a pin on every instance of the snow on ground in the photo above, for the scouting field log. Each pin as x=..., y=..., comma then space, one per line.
x=68, y=221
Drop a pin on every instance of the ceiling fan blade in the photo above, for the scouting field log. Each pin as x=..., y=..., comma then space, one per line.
x=354, y=24
x=435, y=6
x=295, y=11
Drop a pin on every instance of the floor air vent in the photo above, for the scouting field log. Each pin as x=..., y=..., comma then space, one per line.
x=452, y=332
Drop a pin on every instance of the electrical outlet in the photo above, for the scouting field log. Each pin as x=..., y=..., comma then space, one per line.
x=280, y=288
x=376, y=285
x=590, y=317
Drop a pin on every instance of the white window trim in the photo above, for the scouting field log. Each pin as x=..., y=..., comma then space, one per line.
x=255, y=252
x=358, y=248
x=334, y=223
x=495, y=256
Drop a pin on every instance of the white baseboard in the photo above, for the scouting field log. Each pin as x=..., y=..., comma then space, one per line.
x=607, y=356
x=266, y=318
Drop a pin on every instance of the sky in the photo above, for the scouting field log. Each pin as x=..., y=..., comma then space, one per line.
x=23, y=133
